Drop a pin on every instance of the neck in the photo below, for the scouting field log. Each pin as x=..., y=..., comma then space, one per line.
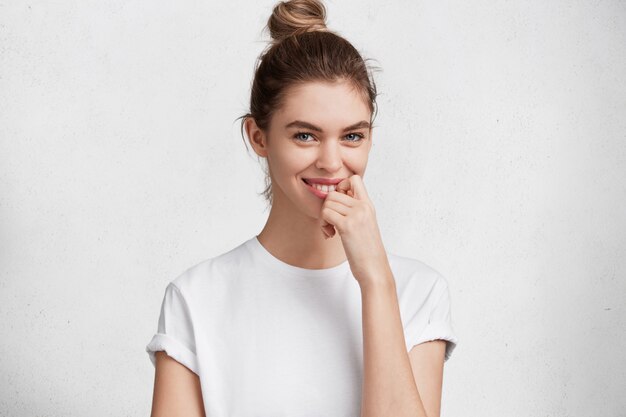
x=297, y=239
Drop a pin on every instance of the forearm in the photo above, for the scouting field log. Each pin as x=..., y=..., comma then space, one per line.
x=389, y=388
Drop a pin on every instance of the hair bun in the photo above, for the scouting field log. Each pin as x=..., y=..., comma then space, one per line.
x=296, y=16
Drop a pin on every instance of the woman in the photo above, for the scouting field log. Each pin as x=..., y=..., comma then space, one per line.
x=312, y=316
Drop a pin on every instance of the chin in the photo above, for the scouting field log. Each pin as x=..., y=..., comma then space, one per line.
x=312, y=211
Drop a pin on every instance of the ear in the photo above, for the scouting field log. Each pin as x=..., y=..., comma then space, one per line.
x=256, y=137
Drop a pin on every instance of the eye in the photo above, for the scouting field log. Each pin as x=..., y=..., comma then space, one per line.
x=297, y=136
x=359, y=136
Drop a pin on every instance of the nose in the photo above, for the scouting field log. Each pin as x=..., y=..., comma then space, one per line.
x=329, y=156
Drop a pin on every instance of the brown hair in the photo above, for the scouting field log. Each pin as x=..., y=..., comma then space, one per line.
x=302, y=50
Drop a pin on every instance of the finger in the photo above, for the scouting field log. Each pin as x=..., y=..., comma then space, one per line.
x=345, y=199
x=358, y=187
x=335, y=219
x=328, y=231
x=343, y=186
x=339, y=207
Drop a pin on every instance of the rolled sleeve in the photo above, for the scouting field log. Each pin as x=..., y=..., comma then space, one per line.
x=175, y=334
x=439, y=324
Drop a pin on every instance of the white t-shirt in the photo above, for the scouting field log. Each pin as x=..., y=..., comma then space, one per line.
x=267, y=338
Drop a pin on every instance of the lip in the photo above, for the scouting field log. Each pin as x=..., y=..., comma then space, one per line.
x=318, y=193
x=323, y=181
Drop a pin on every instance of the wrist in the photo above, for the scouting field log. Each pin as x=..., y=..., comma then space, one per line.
x=376, y=280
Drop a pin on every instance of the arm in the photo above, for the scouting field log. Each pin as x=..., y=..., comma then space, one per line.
x=389, y=387
x=427, y=365
x=176, y=389
x=391, y=375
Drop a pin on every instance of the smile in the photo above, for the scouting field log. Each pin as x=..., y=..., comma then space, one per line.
x=319, y=190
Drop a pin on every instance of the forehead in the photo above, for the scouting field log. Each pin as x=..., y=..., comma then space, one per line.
x=324, y=102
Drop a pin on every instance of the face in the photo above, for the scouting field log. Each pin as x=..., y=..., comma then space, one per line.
x=321, y=131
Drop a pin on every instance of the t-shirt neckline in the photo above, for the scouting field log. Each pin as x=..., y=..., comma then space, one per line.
x=262, y=253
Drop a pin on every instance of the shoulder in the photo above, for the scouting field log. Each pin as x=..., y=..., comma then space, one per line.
x=211, y=271
x=414, y=275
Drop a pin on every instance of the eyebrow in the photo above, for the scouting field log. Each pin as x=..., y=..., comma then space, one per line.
x=306, y=125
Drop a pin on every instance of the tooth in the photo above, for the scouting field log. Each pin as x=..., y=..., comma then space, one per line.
x=324, y=188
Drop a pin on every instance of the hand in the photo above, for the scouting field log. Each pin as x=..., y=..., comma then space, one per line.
x=350, y=211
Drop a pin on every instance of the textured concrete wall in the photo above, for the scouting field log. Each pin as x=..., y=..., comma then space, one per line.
x=499, y=159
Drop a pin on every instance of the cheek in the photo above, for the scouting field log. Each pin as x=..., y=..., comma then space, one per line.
x=356, y=161
x=288, y=163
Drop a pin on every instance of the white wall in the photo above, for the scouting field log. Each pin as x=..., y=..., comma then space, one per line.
x=501, y=133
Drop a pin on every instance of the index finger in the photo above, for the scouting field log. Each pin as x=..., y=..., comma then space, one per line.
x=344, y=186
